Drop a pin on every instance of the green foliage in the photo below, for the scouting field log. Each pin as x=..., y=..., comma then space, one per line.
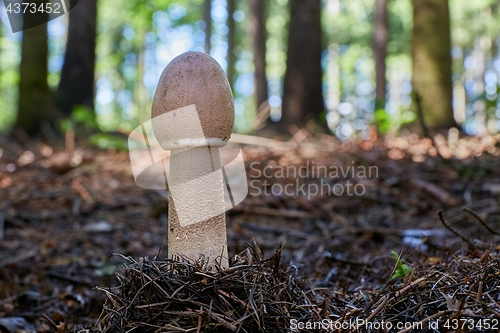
x=490, y=100
x=85, y=116
x=350, y=26
x=81, y=118
x=402, y=270
x=277, y=36
x=8, y=101
x=350, y=23
x=108, y=140
x=382, y=121
x=127, y=31
x=400, y=25
x=473, y=19
x=386, y=123
x=9, y=77
x=131, y=40
x=84, y=120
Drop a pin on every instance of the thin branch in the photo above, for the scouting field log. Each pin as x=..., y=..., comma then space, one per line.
x=458, y=234
x=483, y=223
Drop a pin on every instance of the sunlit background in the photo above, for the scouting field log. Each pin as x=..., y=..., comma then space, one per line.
x=135, y=45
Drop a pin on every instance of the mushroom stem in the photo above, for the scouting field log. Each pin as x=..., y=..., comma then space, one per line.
x=193, y=115
x=197, y=223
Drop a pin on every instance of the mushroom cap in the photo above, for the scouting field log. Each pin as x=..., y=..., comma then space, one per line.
x=193, y=90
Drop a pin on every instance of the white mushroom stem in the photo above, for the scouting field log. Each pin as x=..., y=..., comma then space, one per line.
x=193, y=115
x=197, y=192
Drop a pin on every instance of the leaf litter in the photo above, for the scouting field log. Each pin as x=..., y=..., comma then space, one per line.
x=335, y=262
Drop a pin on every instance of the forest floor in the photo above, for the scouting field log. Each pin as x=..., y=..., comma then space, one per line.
x=62, y=218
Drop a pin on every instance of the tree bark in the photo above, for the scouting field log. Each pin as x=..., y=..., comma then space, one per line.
x=380, y=38
x=258, y=33
x=231, y=59
x=303, y=86
x=207, y=18
x=35, y=99
x=432, y=82
x=77, y=86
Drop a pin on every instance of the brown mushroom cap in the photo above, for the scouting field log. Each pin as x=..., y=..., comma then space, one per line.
x=194, y=78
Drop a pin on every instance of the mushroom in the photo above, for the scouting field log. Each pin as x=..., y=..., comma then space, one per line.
x=193, y=116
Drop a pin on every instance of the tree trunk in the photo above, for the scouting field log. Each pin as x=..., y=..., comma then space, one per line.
x=35, y=99
x=76, y=86
x=432, y=84
x=207, y=18
x=380, y=38
x=231, y=59
x=258, y=33
x=303, y=86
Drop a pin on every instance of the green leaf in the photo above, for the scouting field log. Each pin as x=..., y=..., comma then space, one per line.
x=382, y=120
x=402, y=270
x=84, y=116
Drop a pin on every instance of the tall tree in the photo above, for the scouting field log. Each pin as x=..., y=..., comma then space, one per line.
x=258, y=33
x=231, y=59
x=303, y=86
x=35, y=108
x=207, y=18
x=76, y=86
x=380, y=38
x=432, y=83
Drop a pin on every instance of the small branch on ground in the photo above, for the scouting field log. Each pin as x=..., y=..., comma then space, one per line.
x=458, y=234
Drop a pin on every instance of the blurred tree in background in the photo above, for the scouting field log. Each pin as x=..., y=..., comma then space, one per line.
x=284, y=56
x=207, y=19
x=35, y=109
x=380, y=40
x=231, y=35
x=303, y=83
x=432, y=82
x=258, y=33
x=76, y=86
